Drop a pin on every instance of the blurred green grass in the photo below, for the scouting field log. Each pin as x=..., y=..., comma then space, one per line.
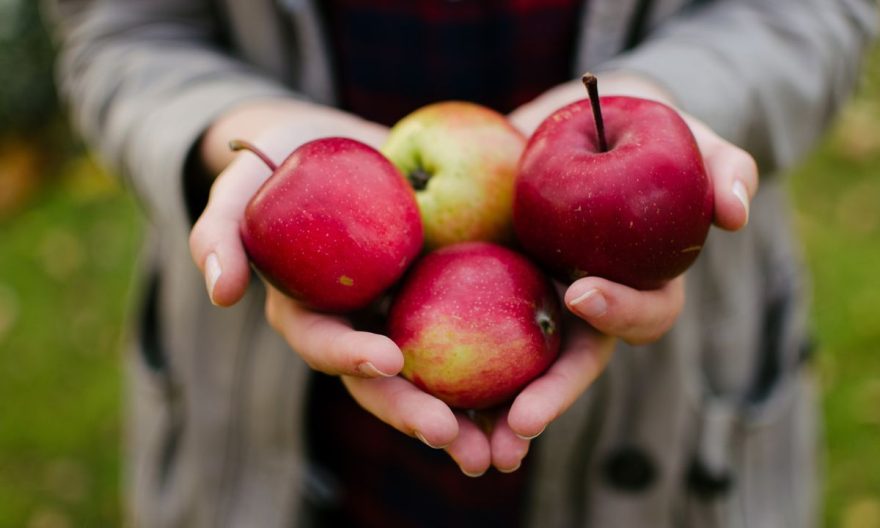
x=837, y=195
x=67, y=268
x=66, y=264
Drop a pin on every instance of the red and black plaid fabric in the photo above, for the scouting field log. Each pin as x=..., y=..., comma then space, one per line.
x=392, y=57
x=374, y=476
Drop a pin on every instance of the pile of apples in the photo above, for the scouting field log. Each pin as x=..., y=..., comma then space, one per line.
x=459, y=217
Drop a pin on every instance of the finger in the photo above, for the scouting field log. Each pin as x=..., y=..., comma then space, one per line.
x=508, y=449
x=735, y=179
x=328, y=343
x=636, y=316
x=470, y=449
x=215, y=243
x=734, y=176
x=404, y=407
x=585, y=356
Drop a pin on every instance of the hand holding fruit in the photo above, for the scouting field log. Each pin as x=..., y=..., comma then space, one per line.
x=367, y=361
x=634, y=315
x=500, y=438
x=327, y=343
x=732, y=171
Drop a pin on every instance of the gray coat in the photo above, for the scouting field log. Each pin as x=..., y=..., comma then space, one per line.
x=715, y=425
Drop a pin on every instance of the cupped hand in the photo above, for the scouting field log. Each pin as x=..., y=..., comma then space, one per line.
x=277, y=127
x=500, y=437
x=641, y=317
x=610, y=310
x=476, y=441
x=327, y=343
x=368, y=362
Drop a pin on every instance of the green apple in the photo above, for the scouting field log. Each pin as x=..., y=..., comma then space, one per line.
x=461, y=160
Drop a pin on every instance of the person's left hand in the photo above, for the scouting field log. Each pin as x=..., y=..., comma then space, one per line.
x=609, y=310
x=615, y=309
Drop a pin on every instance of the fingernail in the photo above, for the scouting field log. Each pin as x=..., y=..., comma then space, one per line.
x=536, y=435
x=212, y=274
x=473, y=475
x=511, y=470
x=368, y=369
x=739, y=190
x=422, y=438
x=590, y=304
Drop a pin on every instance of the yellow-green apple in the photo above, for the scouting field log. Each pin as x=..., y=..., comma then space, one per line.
x=476, y=322
x=461, y=159
x=626, y=197
x=334, y=226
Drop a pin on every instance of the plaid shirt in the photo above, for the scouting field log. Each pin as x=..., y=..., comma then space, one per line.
x=392, y=57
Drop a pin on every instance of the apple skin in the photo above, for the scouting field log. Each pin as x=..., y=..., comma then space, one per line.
x=470, y=154
x=334, y=226
x=476, y=322
x=637, y=214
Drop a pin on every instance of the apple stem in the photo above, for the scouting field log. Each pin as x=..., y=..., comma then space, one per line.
x=592, y=84
x=241, y=144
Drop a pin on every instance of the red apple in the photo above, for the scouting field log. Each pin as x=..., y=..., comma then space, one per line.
x=334, y=226
x=636, y=212
x=461, y=159
x=476, y=322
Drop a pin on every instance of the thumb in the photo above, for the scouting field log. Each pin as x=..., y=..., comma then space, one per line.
x=733, y=172
x=215, y=242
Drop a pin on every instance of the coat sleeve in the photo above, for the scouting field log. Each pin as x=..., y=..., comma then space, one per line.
x=766, y=74
x=143, y=80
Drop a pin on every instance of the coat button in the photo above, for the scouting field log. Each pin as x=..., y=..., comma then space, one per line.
x=630, y=469
x=707, y=484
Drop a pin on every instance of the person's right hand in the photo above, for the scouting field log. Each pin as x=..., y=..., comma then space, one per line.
x=326, y=343
x=277, y=127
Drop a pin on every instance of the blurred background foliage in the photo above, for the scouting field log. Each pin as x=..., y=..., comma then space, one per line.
x=27, y=96
x=69, y=239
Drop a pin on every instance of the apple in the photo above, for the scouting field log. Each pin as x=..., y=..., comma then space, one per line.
x=461, y=159
x=620, y=192
x=333, y=226
x=476, y=322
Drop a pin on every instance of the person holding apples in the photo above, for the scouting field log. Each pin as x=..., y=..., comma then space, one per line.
x=674, y=406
